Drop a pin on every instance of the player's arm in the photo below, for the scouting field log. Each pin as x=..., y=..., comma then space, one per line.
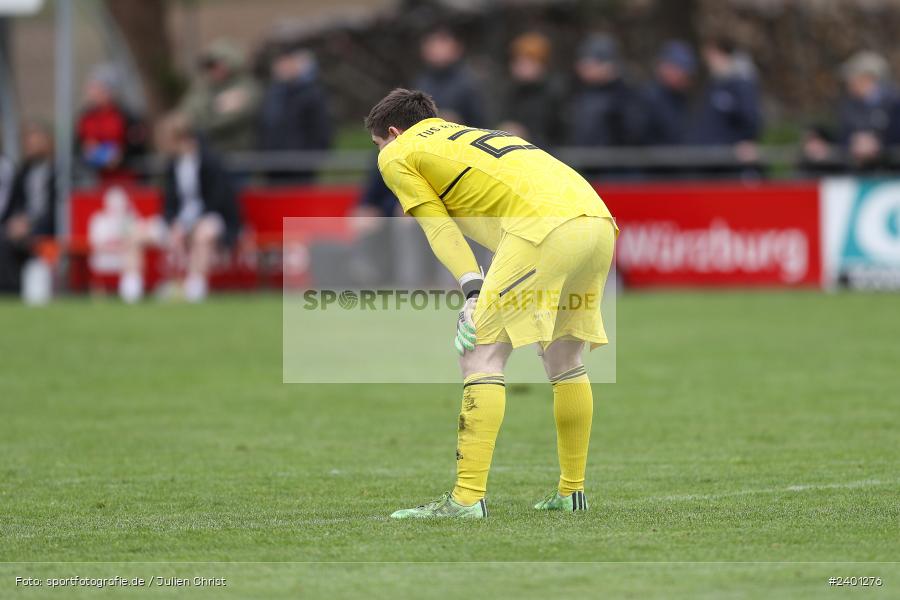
x=451, y=248
x=447, y=242
x=449, y=245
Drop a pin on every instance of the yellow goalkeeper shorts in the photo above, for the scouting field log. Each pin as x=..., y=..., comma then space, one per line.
x=541, y=293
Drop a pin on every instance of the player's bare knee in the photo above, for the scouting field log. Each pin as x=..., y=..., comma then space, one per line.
x=480, y=360
x=486, y=358
x=562, y=356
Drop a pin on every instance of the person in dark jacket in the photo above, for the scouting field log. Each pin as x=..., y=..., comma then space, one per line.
x=730, y=111
x=30, y=210
x=448, y=79
x=533, y=103
x=868, y=121
x=605, y=109
x=818, y=155
x=107, y=134
x=869, y=115
x=294, y=113
x=667, y=97
x=200, y=212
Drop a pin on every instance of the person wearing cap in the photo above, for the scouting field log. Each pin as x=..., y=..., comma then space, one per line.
x=532, y=106
x=605, y=110
x=869, y=114
x=667, y=97
x=223, y=102
x=294, y=114
x=107, y=134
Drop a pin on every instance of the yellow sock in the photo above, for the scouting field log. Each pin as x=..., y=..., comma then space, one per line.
x=484, y=401
x=573, y=409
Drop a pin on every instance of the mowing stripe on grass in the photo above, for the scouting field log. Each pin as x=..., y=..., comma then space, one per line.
x=791, y=488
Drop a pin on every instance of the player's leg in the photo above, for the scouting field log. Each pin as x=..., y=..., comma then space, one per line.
x=573, y=407
x=484, y=387
x=149, y=232
x=483, y=406
x=587, y=245
x=204, y=240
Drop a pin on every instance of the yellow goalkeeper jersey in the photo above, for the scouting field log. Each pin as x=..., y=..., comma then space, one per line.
x=484, y=173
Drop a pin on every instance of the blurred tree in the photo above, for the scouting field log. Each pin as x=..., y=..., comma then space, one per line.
x=144, y=26
x=677, y=19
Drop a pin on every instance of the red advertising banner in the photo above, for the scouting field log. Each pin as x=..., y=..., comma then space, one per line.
x=262, y=209
x=673, y=234
x=257, y=258
x=717, y=234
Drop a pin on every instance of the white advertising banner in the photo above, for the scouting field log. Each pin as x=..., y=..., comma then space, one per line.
x=861, y=233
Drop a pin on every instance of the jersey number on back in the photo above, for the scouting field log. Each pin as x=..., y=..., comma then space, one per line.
x=481, y=142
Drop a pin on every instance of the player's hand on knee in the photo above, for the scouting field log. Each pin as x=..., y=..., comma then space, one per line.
x=465, y=327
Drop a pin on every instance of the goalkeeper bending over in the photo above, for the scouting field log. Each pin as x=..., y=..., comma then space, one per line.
x=552, y=239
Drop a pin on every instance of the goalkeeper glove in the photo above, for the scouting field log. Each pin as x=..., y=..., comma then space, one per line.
x=465, y=325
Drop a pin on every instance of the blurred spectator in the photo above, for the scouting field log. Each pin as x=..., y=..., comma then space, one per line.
x=107, y=135
x=294, y=113
x=9, y=267
x=30, y=211
x=605, y=110
x=372, y=259
x=448, y=79
x=108, y=231
x=532, y=106
x=7, y=173
x=869, y=115
x=200, y=213
x=223, y=101
x=818, y=152
x=667, y=97
x=730, y=111
x=377, y=199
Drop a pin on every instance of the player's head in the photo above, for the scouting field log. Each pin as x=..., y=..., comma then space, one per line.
x=397, y=112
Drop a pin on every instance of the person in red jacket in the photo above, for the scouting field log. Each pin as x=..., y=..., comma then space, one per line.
x=107, y=135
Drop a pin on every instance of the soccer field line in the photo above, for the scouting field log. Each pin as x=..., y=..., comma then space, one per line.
x=613, y=563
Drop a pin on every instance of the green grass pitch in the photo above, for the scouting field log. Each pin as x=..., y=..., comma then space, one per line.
x=751, y=448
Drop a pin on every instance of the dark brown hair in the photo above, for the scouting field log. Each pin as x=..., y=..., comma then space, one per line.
x=402, y=109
